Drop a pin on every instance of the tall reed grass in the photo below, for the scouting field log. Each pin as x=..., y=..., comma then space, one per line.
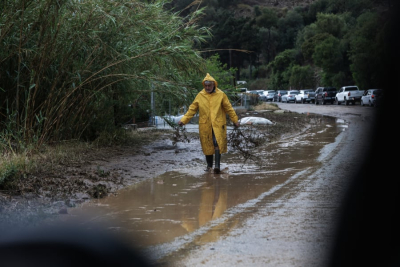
x=73, y=69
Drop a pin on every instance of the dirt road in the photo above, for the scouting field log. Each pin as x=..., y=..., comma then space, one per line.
x=283, y=213
x=295, y=225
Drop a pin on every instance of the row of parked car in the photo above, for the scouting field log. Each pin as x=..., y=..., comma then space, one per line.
x=263, y=95
x=324, y=95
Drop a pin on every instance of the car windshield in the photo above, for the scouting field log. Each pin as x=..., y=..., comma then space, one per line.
x=352, y=88
x=331, y=89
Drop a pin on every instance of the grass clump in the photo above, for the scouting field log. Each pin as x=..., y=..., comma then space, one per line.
x=266, y=106
x=8, y=177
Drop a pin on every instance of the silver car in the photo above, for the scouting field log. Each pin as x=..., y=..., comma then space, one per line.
x=305, y=96
x=260, y=94
x=290, y=96
x=278, y=95
x=370, y=97
x=269, y=94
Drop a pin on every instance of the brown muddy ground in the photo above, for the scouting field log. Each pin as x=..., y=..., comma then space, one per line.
x=50, y=192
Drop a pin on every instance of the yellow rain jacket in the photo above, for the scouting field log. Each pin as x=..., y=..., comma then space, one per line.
x=212, y=108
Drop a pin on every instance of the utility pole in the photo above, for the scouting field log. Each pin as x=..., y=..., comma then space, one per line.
x=152, y=112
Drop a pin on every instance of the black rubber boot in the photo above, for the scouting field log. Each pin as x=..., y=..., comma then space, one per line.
x=209, y=159
x=217, y=168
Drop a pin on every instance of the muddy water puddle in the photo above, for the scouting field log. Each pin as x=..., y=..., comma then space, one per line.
x=188, y=203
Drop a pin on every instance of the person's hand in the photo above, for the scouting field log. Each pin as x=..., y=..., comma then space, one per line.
x=180, y=123
x=237, y=124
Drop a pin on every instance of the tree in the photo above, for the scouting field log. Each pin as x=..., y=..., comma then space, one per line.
x=267, y=20
x=314, y=8
x=304, y=34
x=301, y=77
x=327, y=55
x=330, y=56
x=269, y=42
x=331, y=24
x=288, y=27
x=308, y=46
x=365, y=51
x=226, y=38
x=356, y=7
x=280, y=69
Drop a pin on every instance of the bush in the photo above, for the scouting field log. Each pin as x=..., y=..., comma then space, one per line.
x=8, y=177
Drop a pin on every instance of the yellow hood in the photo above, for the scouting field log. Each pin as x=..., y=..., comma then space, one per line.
x=211, y=79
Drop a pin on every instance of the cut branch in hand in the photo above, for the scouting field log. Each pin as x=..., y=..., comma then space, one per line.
x=179, y=133
x=246, y=139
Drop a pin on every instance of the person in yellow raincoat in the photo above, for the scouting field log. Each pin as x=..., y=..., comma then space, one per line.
x=213, y=105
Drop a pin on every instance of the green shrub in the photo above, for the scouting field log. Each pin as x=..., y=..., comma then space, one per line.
x=8, y=177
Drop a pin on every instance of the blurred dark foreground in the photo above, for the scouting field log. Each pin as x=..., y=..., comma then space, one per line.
x=66, y=246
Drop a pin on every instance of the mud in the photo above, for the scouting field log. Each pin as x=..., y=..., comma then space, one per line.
x=184, y=199
x=105, y=171
x=277, y=209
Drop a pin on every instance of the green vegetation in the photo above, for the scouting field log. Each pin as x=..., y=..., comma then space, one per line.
x=8, y=176
x=330, y=42
x=74, y=69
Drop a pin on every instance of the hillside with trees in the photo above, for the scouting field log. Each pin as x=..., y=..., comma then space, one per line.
x=298, y=44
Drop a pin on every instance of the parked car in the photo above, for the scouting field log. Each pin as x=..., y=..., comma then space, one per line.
x=348, y=94
x=370, y=97
x=325, y=95
x=242, y=91
x=253, y=92
x=278, y=95
x=260, y=94
x=305, y=96
x=241, y=82
x=269, y=95
x=290, y=96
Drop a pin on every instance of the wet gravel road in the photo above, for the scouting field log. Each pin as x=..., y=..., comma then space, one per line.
x=285, y=212
x=282, y=214
x=295, y=225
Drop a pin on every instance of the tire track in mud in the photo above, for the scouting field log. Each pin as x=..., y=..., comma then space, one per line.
x=292, y=180
x=295, y=225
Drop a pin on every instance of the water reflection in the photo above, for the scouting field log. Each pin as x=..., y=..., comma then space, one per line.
x=212, y=204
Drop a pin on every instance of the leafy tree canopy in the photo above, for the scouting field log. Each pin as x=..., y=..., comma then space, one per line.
x=365, y=52
x=289, y=26
x=283, y=61
x=308, y=47
x=356, y=7
x=331, y=24
x=301, y=77
x=327, y=55
x=267, y=18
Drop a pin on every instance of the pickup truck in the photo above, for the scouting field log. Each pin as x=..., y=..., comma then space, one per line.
x=306, y=95
x=325, y=95
x=348, y=94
